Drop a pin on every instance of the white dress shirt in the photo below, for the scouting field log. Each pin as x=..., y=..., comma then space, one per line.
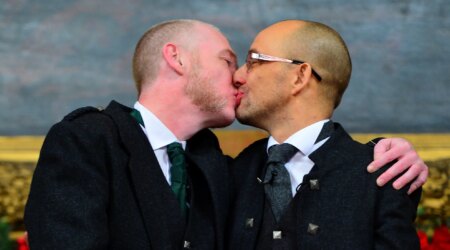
x=159, y=137
x=300, y=164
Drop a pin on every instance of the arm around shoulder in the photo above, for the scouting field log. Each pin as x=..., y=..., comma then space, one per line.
x=395, y=216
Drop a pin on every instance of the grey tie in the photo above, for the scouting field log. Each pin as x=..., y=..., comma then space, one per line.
x=278, y=182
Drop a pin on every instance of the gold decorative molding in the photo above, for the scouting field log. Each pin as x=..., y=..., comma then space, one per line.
x=429, y=146
x=20, y=148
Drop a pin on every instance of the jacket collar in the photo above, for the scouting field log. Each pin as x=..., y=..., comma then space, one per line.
x=162, y=224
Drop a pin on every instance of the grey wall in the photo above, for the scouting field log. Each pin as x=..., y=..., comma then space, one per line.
x=58, y=55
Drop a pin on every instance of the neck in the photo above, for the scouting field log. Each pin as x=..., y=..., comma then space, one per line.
x=173, y=109
x=302, y=109
x=283, y=127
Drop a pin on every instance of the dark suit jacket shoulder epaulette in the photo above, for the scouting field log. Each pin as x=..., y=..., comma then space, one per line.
x=374, y=141
x=82, y=111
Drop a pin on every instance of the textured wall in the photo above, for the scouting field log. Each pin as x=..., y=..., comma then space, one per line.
x=59, y=55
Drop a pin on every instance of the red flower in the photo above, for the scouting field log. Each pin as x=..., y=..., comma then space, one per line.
x=423, y=240
x=441, y=238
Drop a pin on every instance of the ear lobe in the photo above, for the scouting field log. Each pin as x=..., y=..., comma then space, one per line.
x=172, y=56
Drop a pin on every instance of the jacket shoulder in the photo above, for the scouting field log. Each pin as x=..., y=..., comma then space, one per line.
x=77, y=113
x=85, y=120
x=257, y=146
x=253, y=155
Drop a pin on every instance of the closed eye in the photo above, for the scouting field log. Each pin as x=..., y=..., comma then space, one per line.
x=231, y=63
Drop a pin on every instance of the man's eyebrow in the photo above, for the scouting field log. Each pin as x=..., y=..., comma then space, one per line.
x=230, y=53
x=227, y=52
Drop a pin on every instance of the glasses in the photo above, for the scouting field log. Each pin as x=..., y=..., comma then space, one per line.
x=253, y=58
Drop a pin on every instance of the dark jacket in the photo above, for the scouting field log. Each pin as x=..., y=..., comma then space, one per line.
x=98, y=185
x=338, y=195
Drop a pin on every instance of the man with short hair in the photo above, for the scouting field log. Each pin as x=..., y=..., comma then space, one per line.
x=116, y=178
x=104, y=180
x=306, y=186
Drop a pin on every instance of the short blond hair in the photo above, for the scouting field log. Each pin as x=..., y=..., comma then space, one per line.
x=147, y=55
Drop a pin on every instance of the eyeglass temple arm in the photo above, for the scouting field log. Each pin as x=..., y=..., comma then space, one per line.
x=313, y=71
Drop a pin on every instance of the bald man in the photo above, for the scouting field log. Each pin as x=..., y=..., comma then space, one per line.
x=306, y=186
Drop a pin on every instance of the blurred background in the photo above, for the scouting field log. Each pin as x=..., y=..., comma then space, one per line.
x=60, y=55
x=56, y=56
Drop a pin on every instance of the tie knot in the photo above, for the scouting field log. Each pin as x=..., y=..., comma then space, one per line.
x=137, y=116
x=281, y=153
x=174, y=147
x=175, y=151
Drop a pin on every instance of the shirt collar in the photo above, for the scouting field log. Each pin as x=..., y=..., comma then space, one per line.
x=303, y=139
x=158, y=134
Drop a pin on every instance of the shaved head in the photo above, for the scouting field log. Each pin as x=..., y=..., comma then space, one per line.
x=323, y=48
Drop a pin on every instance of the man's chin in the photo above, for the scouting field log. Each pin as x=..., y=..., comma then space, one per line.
x=225, y=121
x=244, y=119
x=240, y=116
x=222, y=124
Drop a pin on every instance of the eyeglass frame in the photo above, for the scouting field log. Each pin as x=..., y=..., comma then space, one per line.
x=267, y=58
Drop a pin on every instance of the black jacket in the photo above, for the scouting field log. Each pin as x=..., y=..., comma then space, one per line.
x=351, y=212
x=98, y=185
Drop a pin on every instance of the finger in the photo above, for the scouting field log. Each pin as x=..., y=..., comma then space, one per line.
x=397, y=150
x=385, y=152
x=380, y=148
x=398, y=167
x=419, y=181
x=417, y=172
x=408, y=176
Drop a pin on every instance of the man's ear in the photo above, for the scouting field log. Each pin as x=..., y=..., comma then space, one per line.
x=303, y=77
x=172, y=56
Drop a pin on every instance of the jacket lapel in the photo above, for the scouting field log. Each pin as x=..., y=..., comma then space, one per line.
x=254, y=201
x=152, y=191
x=329, y=157
x=203, y=154
x=331, y=154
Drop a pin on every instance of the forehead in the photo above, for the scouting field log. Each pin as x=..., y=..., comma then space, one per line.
x=214, y=42
x=211, y=35
x=272, y=39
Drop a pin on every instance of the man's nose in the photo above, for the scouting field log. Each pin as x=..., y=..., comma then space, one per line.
x=240, y=76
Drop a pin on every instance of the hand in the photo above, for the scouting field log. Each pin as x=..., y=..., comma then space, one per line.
x=390, y=149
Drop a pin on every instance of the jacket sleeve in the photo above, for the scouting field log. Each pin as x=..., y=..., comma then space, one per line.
x=395, y=214
x=67, y=204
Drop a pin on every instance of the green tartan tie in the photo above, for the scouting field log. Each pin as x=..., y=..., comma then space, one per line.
x=178, y=176
x=137, y=116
